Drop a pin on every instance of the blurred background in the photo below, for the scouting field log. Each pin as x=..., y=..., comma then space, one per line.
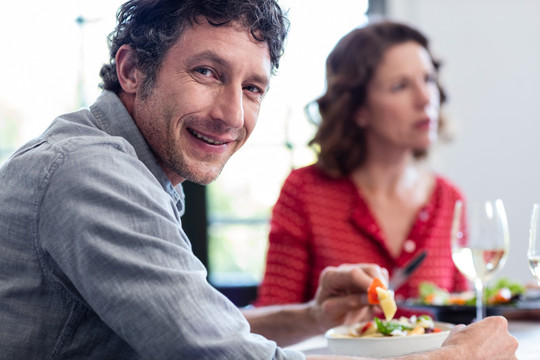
x=491, y=68
x=52, y=52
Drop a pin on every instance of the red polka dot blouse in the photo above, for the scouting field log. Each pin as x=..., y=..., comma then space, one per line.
x=319, y=221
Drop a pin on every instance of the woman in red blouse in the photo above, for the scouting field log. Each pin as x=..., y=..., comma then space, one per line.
x=370, y=197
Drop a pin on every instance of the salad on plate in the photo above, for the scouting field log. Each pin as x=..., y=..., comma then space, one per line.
x=378, y=294
x=404, y=326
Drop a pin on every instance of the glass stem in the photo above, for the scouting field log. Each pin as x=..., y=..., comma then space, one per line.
x=480, y=308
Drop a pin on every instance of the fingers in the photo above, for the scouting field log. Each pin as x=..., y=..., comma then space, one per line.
x=342, y=292
x=457, y=328
x=356, y=316
x=486, y=339
x=375, y=271
x=492, y=322
x=454, y=331
x=351, y=278
x=346, y=309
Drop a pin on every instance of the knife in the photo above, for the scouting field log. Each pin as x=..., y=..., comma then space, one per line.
x=401, y=274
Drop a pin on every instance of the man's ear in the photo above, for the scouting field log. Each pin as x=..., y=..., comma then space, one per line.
x=128, y=75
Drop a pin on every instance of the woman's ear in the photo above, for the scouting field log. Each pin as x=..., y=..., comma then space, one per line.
x=361, y=118
x=128, y=74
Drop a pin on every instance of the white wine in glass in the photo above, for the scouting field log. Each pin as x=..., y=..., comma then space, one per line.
x=534, y=243
x=480, y=244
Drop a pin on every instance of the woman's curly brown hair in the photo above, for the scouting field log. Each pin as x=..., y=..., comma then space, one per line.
x=349, y=69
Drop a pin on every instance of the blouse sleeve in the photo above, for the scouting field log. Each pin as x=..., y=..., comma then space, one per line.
x=286, y=274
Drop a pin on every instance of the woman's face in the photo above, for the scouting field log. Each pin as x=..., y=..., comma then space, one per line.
x=402, y=107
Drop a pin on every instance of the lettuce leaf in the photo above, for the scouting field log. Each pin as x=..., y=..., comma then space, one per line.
x=386, y=327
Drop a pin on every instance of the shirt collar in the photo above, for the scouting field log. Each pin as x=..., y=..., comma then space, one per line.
x=113, y=118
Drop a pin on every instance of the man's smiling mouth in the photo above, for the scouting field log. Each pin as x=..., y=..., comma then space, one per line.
x=206, y=139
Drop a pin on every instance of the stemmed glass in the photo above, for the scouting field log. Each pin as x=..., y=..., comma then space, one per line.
x=534, y=243
x=480, y=244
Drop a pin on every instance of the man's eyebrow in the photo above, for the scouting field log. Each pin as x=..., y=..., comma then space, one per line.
x=211, y=56
x=263, y=80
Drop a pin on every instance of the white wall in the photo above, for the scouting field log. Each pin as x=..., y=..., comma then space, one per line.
x=491, y=55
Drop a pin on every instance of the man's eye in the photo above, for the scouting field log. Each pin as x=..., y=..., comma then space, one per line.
x=204, y=71
x=253, y=89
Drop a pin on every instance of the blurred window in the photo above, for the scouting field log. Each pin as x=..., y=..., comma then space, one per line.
x=51, y=56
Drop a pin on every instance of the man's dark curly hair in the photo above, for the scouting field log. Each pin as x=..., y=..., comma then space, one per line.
x=152, y=27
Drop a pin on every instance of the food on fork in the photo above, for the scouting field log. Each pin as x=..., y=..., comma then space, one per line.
x=388, y=304
x=379, y=294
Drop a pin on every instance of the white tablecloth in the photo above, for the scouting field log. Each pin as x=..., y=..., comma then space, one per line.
x=528, y=335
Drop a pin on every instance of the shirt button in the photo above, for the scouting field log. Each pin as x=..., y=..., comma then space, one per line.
x=409, y=246
x=423, y=216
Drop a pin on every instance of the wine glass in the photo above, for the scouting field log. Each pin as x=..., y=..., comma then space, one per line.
x=480, y=244
x=534, y=243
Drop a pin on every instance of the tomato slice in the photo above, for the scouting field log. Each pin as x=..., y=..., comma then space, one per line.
x=502, y=296
x=365, y=327
x=373, y=298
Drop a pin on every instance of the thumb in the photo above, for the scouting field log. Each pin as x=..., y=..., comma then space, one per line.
x=456, y=329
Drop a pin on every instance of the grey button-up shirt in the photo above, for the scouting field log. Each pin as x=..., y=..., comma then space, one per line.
x=94, y=263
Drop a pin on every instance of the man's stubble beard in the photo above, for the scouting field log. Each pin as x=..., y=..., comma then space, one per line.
x=194, y=172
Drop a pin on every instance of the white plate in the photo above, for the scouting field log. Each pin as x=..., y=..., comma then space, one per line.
x=384, y=346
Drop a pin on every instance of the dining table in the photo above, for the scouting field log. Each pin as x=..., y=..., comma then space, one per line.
x=527, y=332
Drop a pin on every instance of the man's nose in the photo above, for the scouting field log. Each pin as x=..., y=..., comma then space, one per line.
x=230, y=107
